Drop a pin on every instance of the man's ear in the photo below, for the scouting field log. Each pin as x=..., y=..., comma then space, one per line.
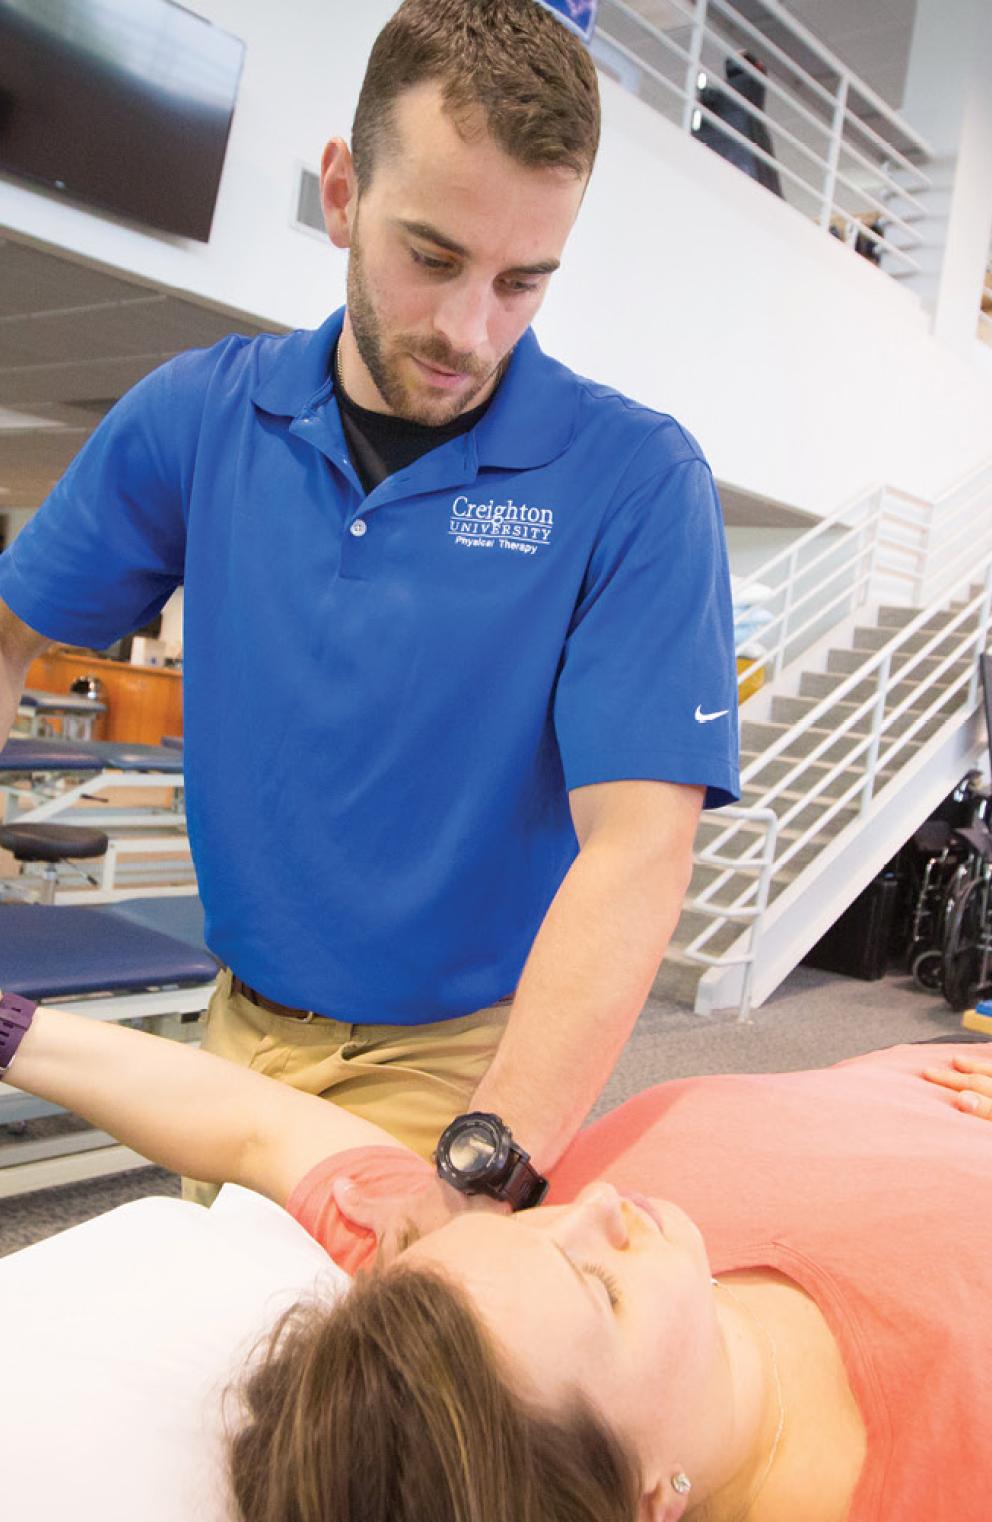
x=338, y=191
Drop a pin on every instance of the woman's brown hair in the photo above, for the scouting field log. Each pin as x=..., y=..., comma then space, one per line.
x=509, y=62
x=393, y=1406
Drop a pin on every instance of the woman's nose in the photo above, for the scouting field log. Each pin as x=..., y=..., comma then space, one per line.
x=597, y=1213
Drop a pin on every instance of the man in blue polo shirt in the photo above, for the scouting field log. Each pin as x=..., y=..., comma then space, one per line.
x=458, y=657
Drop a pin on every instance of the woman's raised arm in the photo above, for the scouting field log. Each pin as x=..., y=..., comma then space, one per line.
x=184, y=1109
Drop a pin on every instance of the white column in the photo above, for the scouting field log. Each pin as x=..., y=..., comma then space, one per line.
x=949, y=101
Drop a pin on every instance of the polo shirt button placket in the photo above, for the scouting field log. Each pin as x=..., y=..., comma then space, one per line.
x=358, y=528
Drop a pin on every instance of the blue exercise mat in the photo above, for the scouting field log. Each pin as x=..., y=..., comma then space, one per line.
x=50, y=951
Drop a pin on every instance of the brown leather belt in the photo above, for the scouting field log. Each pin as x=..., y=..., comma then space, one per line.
x=239, y=986
x=306, y=1016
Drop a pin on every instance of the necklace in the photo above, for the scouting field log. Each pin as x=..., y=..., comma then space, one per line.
x=776, y=1376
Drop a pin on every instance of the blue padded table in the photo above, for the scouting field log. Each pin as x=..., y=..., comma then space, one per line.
x=181, y=916
x=44, y=755
x=46, y=780
x=141, y=959
x=54, y=951
x=21, y=754
x=61, y=702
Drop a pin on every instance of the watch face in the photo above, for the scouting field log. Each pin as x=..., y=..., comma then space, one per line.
x=473, y=1149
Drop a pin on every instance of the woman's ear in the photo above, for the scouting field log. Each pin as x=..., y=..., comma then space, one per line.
x=338, y=191
x=662, y=1504
x=355, y=1205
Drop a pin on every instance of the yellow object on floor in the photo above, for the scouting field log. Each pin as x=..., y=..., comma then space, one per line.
x=979, y=1019
x=754, y=679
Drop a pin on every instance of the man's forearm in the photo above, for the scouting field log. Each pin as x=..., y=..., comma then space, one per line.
x=585, y=982
x=19, y=644
x=11, y=686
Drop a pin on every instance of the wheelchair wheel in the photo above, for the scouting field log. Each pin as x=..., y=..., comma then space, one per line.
x=927, y=969
x=962, y=946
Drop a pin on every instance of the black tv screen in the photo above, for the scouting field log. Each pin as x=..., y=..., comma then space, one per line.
x=125, y=104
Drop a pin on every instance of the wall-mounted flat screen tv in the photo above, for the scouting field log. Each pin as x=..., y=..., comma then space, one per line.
x=124, y=104
x=580, y=15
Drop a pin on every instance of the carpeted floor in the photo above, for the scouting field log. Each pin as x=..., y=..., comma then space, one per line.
x=814, y=1019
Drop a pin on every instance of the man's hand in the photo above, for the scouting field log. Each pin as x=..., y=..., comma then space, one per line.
x=971, y=1078
x=398, y=1220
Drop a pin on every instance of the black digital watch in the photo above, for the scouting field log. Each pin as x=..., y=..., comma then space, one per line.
x=477, y=1155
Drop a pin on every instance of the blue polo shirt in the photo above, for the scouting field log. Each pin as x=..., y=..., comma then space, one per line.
x=388, y=697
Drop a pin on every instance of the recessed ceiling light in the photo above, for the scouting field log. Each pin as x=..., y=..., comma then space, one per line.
x=24, y=420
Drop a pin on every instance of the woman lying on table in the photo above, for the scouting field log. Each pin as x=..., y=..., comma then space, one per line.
x=806, y=1336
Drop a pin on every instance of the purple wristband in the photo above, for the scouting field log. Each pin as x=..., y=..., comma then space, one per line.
x=16, y=1015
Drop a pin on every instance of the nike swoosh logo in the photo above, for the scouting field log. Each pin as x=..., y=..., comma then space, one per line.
x=704, y=718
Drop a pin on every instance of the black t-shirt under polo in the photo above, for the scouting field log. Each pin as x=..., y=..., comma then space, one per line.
x=380, y=444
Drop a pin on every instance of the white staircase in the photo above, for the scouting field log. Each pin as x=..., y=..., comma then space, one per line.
x=868, y=718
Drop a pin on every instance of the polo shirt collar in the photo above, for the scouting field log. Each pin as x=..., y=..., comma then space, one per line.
x=296, y=368
x=531, y=420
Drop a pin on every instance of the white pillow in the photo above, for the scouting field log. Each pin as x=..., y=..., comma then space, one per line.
x=117, y=1340
x=756, y=591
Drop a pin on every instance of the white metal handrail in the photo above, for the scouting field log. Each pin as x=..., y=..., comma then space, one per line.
x=930, y=532
x=863, y=167
x=868, y=756
x=750, y=914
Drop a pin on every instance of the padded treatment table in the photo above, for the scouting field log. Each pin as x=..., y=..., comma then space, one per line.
x=56, y=781
x=39, y=707
x=145, y=960
x=26, y=754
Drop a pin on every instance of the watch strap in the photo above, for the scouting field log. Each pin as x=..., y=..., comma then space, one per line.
x=523, y=1186
x=16, y=1014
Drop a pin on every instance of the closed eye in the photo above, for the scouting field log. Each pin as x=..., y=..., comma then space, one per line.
x=606, y=1279
x=436, y=266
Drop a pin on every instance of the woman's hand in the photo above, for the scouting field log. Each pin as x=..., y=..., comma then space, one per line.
x=399, y=1220
x=971, y=1078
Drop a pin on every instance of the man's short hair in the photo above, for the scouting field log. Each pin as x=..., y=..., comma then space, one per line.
x=511, y=62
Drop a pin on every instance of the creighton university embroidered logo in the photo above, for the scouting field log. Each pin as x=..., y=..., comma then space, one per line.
x=505, y=525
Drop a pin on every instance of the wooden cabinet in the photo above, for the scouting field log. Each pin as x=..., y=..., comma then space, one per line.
x=143, y=702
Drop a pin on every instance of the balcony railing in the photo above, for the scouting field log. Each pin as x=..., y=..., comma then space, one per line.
x=843, y=157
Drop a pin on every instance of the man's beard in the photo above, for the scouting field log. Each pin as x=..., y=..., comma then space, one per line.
x=385, y=369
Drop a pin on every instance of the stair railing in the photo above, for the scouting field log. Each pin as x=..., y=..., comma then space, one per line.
x=943, y=547
x=752, y=914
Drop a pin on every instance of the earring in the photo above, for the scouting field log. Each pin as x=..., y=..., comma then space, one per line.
x=681, y=1483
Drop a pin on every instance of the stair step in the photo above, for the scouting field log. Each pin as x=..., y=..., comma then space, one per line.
x=807, y=813
x=760, y=737
x=897, y=617
x=704, y=874
x=793, y=710
x=820, y=684
x=867, y=637
x=846, y=662
x=692, y=923
x=774, y=771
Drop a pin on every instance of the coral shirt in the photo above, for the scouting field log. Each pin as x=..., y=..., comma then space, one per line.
x=871, y=1190
x=863, y=1184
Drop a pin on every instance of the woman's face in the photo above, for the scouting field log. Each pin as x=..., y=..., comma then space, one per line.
x=610, y=1294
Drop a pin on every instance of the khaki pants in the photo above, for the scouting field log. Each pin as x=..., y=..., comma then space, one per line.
x=409, y=1079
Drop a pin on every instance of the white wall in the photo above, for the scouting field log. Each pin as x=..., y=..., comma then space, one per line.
x=807, y=374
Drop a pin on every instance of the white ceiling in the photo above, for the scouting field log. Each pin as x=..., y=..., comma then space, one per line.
x=73, y=338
